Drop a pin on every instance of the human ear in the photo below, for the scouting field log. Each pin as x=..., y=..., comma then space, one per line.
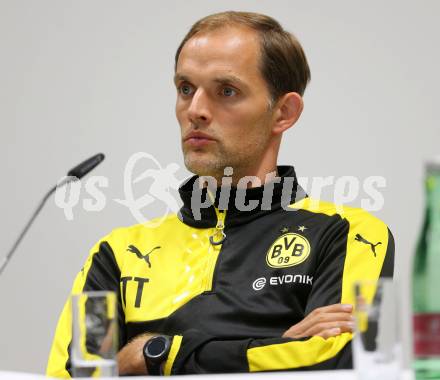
x=287, y=112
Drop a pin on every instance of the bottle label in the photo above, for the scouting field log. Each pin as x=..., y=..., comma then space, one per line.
x=426, y=334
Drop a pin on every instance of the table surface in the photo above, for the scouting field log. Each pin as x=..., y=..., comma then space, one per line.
x=316, y=375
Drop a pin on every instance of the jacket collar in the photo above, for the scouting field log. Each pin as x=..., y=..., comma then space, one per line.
x=199, y=207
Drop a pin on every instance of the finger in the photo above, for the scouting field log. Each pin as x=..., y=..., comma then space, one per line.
x=314, y=319
x=331, y=317
x=342, y=326
x=329, y=333
x=348, y=329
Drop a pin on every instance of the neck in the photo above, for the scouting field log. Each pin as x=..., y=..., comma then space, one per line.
x=262, y=171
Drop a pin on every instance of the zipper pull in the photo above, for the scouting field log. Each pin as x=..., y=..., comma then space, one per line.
x=219, y=236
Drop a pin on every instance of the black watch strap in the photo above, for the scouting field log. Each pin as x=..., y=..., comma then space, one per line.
x=156, y=351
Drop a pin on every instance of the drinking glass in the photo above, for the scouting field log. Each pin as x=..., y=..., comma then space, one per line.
x=94, y=334
x=377, y=343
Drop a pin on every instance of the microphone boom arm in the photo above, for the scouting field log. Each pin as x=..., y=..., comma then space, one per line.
x=25, y=229
x=76, y=173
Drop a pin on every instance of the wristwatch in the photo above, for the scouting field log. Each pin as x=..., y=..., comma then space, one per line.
x=155, y=352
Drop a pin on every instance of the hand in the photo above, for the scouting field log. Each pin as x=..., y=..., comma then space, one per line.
x=324, y=321
x=131, y=357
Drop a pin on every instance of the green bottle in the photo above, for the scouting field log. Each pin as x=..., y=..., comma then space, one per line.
x=426, y=283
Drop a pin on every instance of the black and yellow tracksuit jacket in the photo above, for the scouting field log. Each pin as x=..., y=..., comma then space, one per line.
x=228, y=284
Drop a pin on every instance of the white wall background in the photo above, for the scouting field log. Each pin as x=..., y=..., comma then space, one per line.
x=80, y=77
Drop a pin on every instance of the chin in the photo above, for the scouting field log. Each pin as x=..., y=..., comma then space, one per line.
x=203, y=166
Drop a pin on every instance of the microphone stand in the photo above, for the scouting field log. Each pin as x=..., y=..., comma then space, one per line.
x=76, y=173
x=5, y=260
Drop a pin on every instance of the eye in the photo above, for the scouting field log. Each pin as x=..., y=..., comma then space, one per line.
x=185, y=89
x=228, y=92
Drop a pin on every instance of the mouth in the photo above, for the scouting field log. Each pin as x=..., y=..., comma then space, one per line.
x=198, y=139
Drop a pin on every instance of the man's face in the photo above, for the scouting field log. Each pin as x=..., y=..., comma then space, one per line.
x=223, y=103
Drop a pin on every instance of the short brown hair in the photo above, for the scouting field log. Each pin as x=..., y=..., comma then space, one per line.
x=283, y=62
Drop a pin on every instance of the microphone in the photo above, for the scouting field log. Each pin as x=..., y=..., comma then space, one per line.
x=87, y=166
x=76, y=173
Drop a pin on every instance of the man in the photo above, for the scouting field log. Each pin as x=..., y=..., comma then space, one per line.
x=228, y=287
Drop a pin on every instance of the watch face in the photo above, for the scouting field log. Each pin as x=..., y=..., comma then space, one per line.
x=156, y=347
x=156, y=352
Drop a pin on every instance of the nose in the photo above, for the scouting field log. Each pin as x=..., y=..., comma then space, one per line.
x=199, y=111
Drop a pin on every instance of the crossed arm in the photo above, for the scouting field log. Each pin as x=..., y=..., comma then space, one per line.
x=326, y=322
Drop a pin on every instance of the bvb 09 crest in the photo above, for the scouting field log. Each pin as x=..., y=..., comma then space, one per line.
x=288, y=250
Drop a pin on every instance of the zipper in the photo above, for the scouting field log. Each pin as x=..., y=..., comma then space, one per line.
x=215, y=240
x=219, y=235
